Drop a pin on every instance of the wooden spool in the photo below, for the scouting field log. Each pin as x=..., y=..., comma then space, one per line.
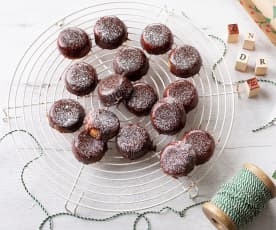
x=218, y=218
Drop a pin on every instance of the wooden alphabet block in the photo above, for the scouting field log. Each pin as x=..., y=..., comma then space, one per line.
x=241, y=62
x=252, y=86
x=249, y=41
x=233, y=33
x=261, y=67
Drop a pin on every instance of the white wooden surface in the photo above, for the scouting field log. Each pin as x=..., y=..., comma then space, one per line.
x=22, y=21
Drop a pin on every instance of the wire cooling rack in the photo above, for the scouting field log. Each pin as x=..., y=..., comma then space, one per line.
x=114, y=183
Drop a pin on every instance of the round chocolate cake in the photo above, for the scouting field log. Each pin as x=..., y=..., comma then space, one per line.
x=113, y=89
x=156, y=39
x=88, y=149
x=184, y=92
x=73, y=43
x=81, y=79
x=203, y=144
x=167, y=116
x=142, y=99
x=177, y=159
x=110, y=32
x=102, y=124
x=131, y=62
x=184, y=61
x=133, y=141
x=66, y=115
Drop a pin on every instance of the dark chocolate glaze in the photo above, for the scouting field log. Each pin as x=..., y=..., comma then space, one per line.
x=156, y=39
x=113, y=89
x=81, y=79
x=73, y=43
x=110, y=32
x=184, y=92
x=133, y=142
x=184, y=61
x=88, y=149
x=102, y=124
x=131, y=62
x=141, y=100
x=177, y=159
x=167, y=116
x=66, y=115
x=203, y=144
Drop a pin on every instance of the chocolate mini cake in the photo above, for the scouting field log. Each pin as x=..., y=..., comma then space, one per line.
x=113, y=89
x=131, y=62
x=156, y=39
x=184, y=61
x=133, y=142
x=66, y=115
x=88, y=149
x=73, y=43
x=141, y=100
x=102, y=124
x=184, y=92
x=110, y=32
x=177, y=159
x=203, y=144
x=167, y=116
x=81, y=79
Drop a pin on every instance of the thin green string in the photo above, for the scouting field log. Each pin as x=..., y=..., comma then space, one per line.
x=40, y=151
x=242, y=197
x=214, y=67
x=181, y=213
x=139, y=216
x=49, y=218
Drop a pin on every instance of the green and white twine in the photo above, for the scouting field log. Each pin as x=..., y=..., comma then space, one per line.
x=49, y=217
x=237, y=83
x=242, y=197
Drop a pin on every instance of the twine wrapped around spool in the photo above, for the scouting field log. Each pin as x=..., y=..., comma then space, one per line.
x=241, y=199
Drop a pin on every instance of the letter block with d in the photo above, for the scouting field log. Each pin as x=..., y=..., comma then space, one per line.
x=241, y=62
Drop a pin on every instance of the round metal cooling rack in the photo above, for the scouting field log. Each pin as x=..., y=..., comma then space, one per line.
x=114, y=184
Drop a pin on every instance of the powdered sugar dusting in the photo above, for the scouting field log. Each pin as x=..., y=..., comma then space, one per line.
x=157, y=35
x=202, y=142
x=167, y=117
x=129, y=59
x=133, y=141
x=73, y=37
x=110, y=29
x=113, y=89
x=177, y=158
x=106, y=122
x=185, y=57
x=142, y=98
x=81, y=76
x=182, y=91
x=87, y=147
x=66, y=112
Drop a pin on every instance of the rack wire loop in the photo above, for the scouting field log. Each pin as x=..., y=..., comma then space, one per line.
x=115, y=184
